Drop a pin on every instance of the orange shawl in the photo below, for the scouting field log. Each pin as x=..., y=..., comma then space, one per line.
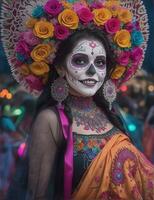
x=118, y=172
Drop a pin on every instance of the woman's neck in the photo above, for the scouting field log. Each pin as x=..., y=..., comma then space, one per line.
x=88, y=115
x=82, y=103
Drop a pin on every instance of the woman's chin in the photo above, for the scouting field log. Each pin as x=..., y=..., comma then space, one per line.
x=82, y=93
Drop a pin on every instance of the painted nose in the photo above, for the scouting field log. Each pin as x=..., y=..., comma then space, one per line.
x=91, y=71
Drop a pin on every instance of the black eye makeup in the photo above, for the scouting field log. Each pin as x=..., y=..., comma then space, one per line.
x=79, y=60
x=100, y=62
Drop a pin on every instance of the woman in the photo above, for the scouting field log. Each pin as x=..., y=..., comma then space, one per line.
x=78, y=148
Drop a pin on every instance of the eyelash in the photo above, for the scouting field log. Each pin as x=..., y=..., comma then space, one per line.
x=79, y=60
x=103, y=63
x=100, y=61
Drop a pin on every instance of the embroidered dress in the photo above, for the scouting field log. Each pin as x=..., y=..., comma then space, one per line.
x=86, y=148
x=118, y=172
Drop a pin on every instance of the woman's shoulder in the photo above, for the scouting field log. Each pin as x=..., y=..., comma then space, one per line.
x=47, y=114
x=48, y=118
x=124, y=150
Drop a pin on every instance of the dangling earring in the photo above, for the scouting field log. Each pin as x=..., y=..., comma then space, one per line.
x=59, y=90
x=109, y=92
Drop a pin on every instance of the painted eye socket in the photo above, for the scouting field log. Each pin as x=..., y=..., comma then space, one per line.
x=100, y=63
x=79, y=60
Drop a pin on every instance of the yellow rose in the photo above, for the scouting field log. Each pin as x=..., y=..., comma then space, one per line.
x=39, y=68
x=41, y=52
x=68, y=18
x=118, y=72
x=66, y=4
x=24, y=70
x=123, y=38
x=113, y=6
x=111, y=3
x=31, y=22
x=44, y=29
x=101, y=16
x=125, y=15
x=45, y=78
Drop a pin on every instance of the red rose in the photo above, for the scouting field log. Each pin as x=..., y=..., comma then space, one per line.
x=61, y=32
x=85, y=15
x=112, y=25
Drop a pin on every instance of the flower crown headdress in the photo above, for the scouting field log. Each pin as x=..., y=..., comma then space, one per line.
x=31, y=32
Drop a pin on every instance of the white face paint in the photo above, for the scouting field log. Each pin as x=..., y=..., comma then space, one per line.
x=86, y=67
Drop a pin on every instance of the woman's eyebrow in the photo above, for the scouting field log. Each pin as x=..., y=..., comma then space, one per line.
x=79, y=54
x=101, y=56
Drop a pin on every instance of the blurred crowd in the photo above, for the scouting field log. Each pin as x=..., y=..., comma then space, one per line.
x=16, y=114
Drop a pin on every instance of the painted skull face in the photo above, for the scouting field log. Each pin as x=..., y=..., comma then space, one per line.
x=86, y=67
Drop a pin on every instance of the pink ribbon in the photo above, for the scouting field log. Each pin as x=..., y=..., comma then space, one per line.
x=68, y=157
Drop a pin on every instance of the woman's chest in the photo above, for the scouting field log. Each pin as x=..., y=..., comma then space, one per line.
x=86, y=148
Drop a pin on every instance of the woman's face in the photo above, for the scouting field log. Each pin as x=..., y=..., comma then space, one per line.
x=86, y=67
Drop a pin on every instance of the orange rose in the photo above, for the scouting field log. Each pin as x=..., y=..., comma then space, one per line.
x=101, y=16
x=118, y=72
x=123, y=38
x=69, y=19
x=113, y=6
x=31, y=22
x=44, y=29
x=66, y=4
x=24, y=70
x=111, y=3
x=45, y=78
x=125, y=15
x=41, y=52
x=39, y=68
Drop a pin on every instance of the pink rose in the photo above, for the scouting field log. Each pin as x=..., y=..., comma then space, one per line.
x=34, y=82
x=30, y=38
x=18, y=63
x=130, y=72
x=85, y=15
x=78, y=6
x=136, y=55
x=123, y=58
x=129, y=27
x=137, y=25
x=53, y=7
x=112, y=25
x=61, y=32
x=22, y=48
x=96, y=5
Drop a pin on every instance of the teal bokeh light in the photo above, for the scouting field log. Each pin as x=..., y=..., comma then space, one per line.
x=132, y=127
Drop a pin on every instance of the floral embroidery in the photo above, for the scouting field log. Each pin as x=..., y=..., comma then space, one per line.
x=118, y=175
x=147, y=170
x=109, y=195
x=88, y=145
x=136, y=193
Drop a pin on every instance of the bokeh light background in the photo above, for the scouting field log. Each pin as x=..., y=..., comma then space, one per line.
x=136, y=106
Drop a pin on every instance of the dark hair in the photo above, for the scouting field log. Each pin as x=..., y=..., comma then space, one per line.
x=151, y=121
x=65, y=47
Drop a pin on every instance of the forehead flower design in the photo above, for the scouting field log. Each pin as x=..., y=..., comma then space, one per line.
x=47, y=23
x=92, y=44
